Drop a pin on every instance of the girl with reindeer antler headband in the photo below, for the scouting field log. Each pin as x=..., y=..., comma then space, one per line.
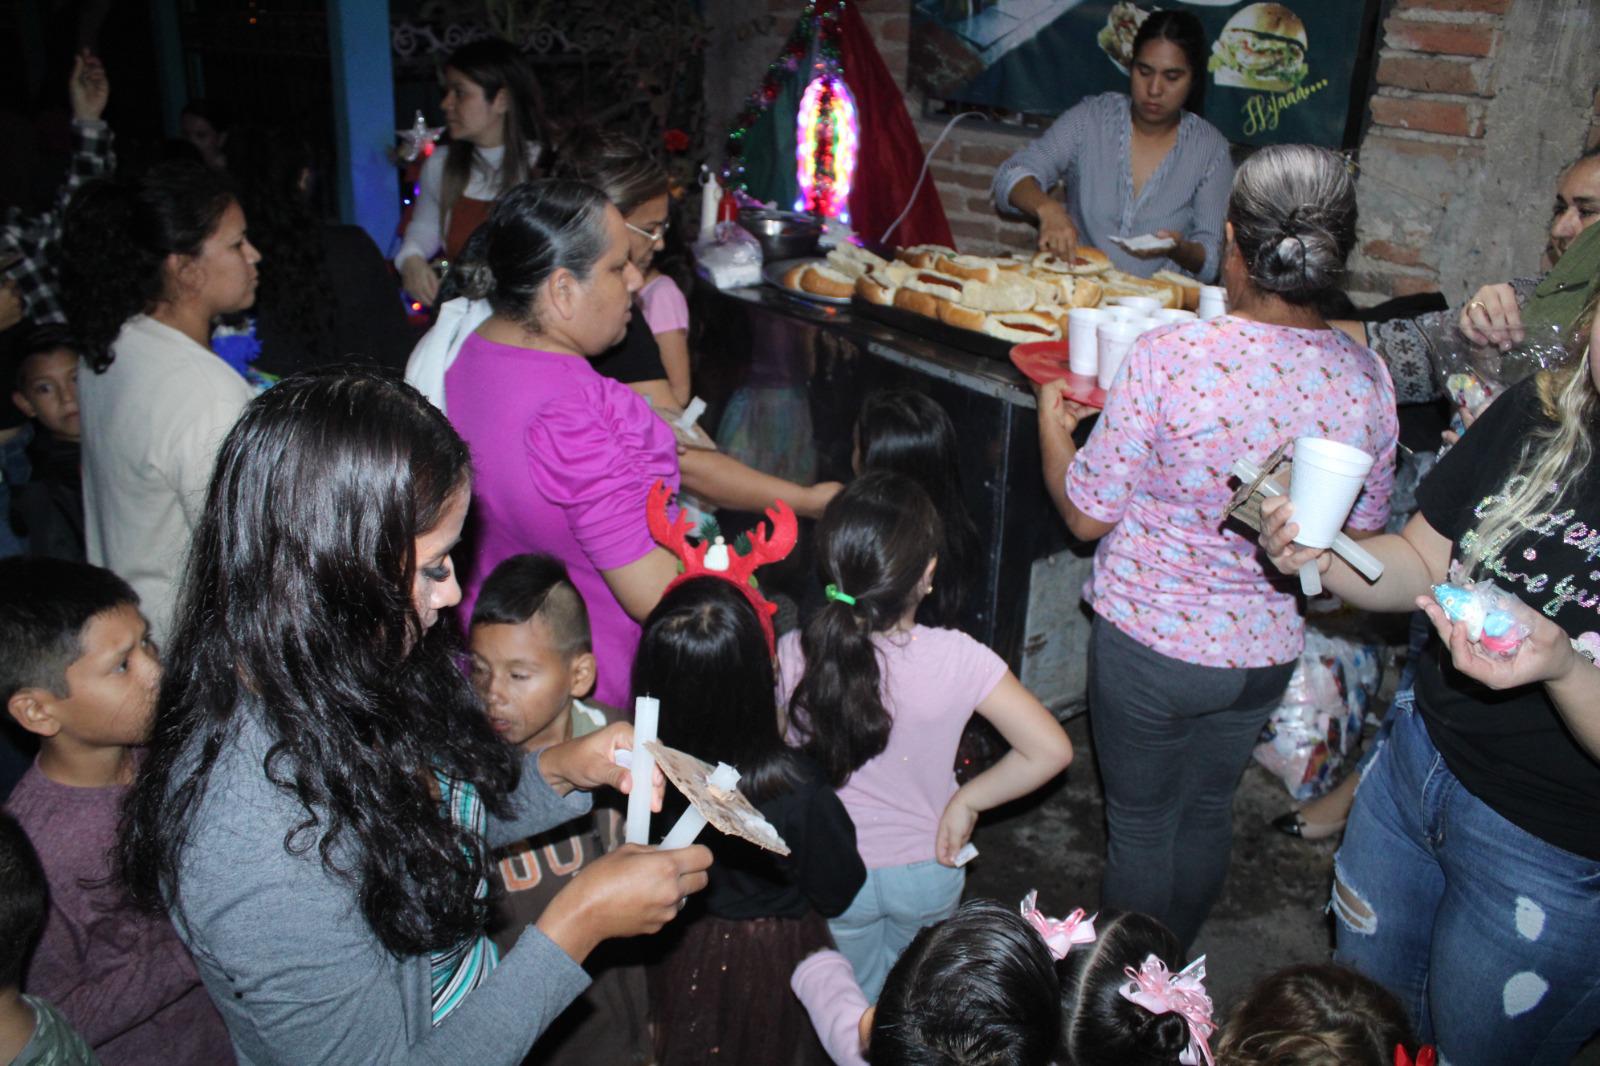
x=707, y=654
x=564, y=457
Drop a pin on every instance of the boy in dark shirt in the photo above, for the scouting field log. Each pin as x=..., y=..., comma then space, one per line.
x=532, y=662
x=48, y=509
x=77, y=670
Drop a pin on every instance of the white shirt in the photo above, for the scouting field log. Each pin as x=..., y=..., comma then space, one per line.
x=152, y=425
x=425, y=233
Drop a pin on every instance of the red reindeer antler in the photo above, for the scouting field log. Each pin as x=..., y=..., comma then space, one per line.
x=740, y=570
x=674, y=535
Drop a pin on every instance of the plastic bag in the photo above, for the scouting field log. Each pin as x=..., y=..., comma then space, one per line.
x=1312, y=736
x=1474, y=374
x=732, y=260
x=1486, y=611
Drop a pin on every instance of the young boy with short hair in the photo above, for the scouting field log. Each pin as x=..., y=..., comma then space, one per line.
x=77, y=670
x=32, y=1032
x=532, y=662
x=47, y=509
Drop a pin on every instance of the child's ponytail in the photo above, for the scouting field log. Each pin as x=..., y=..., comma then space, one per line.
x=1101, y=1026
x=874, y=543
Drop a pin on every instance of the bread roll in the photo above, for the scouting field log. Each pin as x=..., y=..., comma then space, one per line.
x=876, y=289
x=934, y=283
x=1188, y=287
x=1022, y=326
x=971, y=267
x=897, y=273
x=1086, y=261
x=792, y=276
x=921, y=303
x=924, y=256
x=825, y=281
x=954, y=314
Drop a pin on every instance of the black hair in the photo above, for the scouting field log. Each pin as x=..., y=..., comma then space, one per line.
x=527, y=585
x=533, y=230
x=1316, y=1014
x=24, y=900
x=44, y=606
x=1183, y=29
x=1293, y=209
x=908, y=432
x=978, y=987
x=41, y=340
x=874, y=543
x=268, y=166
x=296, y=610
x=1098, y=1026
x=210, y=110
x=115, y=240
x=704, y=655
x=493, y=64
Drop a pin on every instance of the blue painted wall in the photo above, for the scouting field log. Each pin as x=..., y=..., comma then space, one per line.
x=364, y=124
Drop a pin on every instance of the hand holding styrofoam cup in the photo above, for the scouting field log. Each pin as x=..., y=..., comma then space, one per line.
x=1326, y=479
x=1083, y=352
x=1114, y=340
x=1213, y=301
x=1142, y=304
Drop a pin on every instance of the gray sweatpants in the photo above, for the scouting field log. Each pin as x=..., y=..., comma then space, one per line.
x=1172, y=740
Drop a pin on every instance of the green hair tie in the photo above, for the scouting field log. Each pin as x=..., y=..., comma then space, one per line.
x=833, y=593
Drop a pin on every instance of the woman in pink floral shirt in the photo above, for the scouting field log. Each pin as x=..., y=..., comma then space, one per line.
x=1194, y=638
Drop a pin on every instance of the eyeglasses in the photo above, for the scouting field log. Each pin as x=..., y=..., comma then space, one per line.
x=654, y=233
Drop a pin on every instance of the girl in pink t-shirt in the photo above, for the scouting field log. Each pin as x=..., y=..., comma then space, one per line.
x=879, y=702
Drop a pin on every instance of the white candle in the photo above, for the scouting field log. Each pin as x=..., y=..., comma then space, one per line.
x=691, y=821
x=646, y=721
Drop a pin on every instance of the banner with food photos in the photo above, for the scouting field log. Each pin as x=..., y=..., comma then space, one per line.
x=1277, y=72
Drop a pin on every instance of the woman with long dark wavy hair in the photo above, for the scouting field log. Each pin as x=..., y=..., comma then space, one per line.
x=321, y=788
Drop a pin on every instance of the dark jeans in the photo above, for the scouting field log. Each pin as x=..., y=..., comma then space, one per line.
x=1172, y=740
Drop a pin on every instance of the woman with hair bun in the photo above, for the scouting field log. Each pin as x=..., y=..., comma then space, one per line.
x=1193, y=640
x=495, y=117
x=566, y=457
x=147, y=267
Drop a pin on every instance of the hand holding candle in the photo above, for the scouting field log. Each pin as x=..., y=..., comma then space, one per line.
x=646, y=722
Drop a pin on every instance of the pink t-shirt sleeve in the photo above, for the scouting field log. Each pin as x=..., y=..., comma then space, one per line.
x=1372, y=506
x=595, y=454
x=663, y=305
x=826, y=987
x=974, y=665
x=1112, y=463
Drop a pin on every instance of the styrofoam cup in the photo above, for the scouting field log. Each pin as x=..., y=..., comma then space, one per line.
x=1173, y=314
x=1143, y=304
x=1114, y=339
x=1118, y=313
x=1213, y=301
x=1083, y=351
x=1323, y=486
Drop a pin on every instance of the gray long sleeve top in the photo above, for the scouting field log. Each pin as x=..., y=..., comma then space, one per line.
x=292, y=964
x=1088, y=150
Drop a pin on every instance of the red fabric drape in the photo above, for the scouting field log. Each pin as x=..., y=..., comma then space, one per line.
x=890, y=156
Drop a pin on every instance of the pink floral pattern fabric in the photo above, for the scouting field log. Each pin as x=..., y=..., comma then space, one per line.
x=1191, y=399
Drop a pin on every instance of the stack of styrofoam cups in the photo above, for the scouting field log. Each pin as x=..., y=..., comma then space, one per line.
x=1326, y=479
x=1143, y=304
x=1114, y=339
x=1083, y=352
x=1167, y=315
x=1213, y=301
x=1118, y=313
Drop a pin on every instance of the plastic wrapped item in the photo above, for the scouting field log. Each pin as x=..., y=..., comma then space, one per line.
x=732, y=260
x=1312, y=736
x=1486, y=611
x=1474, y=374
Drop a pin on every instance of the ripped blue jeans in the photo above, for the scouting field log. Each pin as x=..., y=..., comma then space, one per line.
x=1489, y=935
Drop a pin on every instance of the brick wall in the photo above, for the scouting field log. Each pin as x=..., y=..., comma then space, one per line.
x=1479, y=103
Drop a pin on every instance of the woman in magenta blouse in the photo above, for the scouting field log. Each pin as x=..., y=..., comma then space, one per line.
x=1194, y=639
x=564, y=457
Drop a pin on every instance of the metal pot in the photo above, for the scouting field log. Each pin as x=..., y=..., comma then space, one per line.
x=782, y=234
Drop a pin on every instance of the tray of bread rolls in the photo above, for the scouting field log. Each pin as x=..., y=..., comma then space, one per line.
x=986, y=304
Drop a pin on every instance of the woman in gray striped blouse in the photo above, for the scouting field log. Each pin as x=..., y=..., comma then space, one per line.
x=1133, y=164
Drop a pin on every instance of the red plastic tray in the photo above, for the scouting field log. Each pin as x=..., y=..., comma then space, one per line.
x=1045, y=361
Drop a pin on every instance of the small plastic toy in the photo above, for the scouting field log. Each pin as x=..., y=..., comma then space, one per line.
x=1484, y=610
